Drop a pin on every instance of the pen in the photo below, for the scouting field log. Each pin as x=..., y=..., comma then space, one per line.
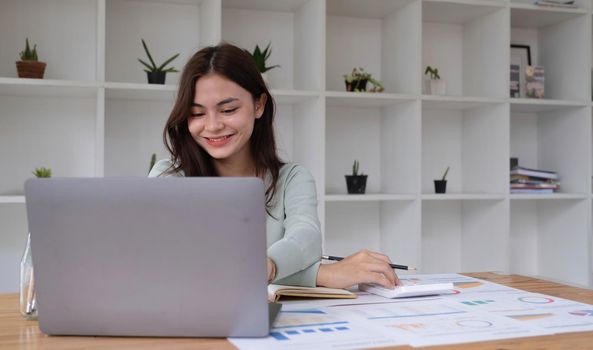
x=395, y=266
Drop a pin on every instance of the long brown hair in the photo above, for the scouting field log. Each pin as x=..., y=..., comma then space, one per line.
x=237, y=65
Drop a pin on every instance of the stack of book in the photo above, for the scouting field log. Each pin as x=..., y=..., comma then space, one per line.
x=524, y=180
x=556, y=3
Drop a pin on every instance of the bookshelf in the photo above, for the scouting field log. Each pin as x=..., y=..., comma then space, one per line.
x=94, y=115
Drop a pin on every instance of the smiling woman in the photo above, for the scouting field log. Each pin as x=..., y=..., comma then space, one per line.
x=222, y=125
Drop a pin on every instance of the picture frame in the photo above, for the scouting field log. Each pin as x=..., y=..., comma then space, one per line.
x=520, y=56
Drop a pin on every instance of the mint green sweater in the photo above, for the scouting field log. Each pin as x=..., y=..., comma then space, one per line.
x=292, y=225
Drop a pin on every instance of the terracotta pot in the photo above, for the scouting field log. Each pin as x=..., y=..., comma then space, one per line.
x=30, y=69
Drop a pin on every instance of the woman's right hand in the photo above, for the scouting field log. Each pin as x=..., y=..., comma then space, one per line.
x=362, y=267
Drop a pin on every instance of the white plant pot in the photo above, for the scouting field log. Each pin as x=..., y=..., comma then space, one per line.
x=437, y=87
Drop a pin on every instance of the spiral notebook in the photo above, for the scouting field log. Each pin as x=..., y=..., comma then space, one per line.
x=277, y=291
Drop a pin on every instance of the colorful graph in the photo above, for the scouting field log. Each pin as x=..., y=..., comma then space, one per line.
x=530, y=317
x=293, y=333
x=305, y=318
x=536, y=300
x=582, y=313
x=476, y=302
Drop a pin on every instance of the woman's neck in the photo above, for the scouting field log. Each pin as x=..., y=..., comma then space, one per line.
x=225, y=167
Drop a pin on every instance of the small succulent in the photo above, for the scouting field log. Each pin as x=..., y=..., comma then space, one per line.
x=28, y=54
x=260, y=58
x=434, y=73
x=42, y=172
x=355, y=169
x=152, y=67
x=445, y=174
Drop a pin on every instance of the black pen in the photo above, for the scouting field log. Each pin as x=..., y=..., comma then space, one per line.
x=395, y=266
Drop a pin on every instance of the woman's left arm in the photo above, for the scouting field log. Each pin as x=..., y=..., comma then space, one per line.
x=298, y=253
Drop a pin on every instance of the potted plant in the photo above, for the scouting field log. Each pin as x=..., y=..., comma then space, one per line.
x=437, y=85
x=440, y=186
x=260, y=57
x=29, y=66
x=156, y=74
x=356, y=183
x=357, y=81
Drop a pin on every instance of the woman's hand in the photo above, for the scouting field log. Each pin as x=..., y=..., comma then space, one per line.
x=362, y=267
x=271, y=270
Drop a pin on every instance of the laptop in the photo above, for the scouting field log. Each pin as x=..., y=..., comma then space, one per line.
x=166, y=257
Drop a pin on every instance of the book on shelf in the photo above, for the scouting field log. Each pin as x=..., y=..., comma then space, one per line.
x=543, y=174
x=277, y=291
x=534, y=82
x=515, y=81
x=556, y=3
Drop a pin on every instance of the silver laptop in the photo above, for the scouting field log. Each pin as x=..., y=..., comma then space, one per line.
x=169, y=257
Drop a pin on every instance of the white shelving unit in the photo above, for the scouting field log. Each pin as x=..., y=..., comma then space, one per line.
x=94, y=115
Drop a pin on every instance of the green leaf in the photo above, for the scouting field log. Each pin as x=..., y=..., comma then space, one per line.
x=151, y=69
x=167, y=62
x=148, y=54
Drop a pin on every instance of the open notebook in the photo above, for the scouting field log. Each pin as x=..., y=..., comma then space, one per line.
x=276, y=291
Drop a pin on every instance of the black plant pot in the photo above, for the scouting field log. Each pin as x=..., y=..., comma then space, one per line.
x=357, y=85
x=356, y=184
x=156, y=77
x=440, y=186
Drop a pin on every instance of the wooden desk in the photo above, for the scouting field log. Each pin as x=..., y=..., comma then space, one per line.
x=16, y=333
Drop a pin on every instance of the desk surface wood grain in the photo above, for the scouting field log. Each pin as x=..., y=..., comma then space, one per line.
x=17, y=333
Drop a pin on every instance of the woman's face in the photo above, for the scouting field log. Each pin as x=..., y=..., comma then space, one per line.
x=222, y=117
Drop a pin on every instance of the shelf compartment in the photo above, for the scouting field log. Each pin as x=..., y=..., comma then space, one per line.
x=457, y=39
x=378, y=39
x=53, y=132
x=192, y=24
x=70, y=54
x=548, y=238
x=385, y=140
x=472, y=142
x=46, y=88
x=147, y=119
x=369, y=197
x=389, y=227
x=464, y=236
x=249, y=23
x=549, y=43
x=540, y=141
x=526, y=15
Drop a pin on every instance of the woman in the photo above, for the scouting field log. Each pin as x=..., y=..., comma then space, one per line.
x=222, y=125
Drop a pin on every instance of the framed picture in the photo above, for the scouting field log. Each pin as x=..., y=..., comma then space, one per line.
x=520, y=59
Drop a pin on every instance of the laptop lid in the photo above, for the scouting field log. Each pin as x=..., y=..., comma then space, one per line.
x=172, y=257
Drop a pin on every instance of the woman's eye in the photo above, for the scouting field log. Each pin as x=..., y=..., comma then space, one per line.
x=229, y=110
x=197, y=115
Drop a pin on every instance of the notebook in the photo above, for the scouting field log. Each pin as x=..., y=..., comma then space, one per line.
x=150, y=256
x=408, y=290
x=276, y=291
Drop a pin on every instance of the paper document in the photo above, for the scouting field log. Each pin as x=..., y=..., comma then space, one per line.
x=408, y=290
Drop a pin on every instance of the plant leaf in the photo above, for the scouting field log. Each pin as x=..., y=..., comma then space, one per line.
x=167, y=62
x=148, y=54
x=151, y=69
